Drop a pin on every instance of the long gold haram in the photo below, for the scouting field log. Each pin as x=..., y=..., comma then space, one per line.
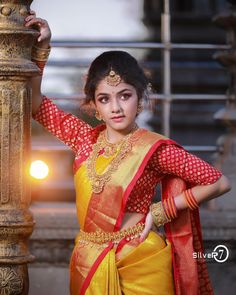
x=98, y=180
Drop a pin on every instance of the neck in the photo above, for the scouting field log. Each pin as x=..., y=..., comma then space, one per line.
x=114, y=136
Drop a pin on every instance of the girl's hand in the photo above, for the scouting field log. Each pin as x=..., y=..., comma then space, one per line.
x=147, y=228
x=42, y=26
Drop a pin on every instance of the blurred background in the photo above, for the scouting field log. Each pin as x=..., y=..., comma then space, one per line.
x=182, y=46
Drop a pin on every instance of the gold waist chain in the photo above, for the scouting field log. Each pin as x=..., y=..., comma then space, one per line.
x=102, y=237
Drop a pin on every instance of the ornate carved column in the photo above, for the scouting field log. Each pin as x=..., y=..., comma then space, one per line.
x=16, y=222
x=227, y=143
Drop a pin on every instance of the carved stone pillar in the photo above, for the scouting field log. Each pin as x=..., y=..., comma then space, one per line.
x=16, y=222
x=227, y=143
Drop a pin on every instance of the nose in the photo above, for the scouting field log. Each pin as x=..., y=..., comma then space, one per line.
x=115, y=106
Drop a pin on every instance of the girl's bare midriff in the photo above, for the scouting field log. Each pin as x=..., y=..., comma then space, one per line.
x=130, y=219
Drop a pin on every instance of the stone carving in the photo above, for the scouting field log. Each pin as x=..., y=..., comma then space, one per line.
x=6, y=11
x=5, y=139
x=10, y=282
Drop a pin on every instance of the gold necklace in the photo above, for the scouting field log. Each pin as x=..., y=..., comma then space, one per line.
x=109, y=148
x=121, y=149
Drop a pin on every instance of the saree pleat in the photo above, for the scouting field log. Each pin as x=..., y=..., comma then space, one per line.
x=106, y=278
x=147, y=269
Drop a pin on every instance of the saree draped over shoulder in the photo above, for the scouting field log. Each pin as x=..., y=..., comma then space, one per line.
x=131, y=267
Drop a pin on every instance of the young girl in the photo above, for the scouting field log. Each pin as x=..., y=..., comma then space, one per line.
x=117, y=167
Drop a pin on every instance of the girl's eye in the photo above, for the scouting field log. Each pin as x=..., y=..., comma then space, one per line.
x=103, y=99
x=125, y=96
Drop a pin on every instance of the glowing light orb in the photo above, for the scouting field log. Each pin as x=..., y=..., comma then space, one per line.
x=39, y=169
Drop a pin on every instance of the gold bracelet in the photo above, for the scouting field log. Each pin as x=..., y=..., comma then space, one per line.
x=158, y=214
x=40, y=54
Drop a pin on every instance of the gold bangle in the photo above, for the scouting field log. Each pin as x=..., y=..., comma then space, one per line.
x=158, y=214
x=40, y=54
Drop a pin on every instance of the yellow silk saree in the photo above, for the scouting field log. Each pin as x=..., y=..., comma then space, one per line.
x=129, y=267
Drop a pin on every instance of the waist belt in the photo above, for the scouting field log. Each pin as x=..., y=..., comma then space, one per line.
x=102, y=237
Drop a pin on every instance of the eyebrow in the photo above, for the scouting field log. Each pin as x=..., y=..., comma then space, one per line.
x=123, y=90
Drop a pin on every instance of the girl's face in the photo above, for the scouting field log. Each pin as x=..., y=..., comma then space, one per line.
x=117, y=105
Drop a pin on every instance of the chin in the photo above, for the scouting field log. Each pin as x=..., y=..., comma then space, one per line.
x=122, y=126
x=119, y=128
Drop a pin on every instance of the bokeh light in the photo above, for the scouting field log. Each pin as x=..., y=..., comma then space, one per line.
x=39, y=169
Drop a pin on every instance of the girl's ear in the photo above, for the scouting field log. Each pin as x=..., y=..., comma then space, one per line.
x=92, y=104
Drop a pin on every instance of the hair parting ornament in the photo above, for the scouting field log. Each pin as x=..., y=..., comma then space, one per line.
x=113, y=79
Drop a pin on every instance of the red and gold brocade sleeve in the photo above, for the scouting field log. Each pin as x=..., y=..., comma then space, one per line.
x=65, y=126
x=171, y=159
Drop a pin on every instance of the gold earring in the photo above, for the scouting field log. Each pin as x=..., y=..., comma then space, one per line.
x=139, y=109
x=97, y=116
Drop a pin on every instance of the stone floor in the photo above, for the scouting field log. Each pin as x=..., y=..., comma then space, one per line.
x=49, y=279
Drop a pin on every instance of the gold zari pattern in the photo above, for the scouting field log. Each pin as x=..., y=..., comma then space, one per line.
x=102, y=237
x=122, y=149
x=158, y=214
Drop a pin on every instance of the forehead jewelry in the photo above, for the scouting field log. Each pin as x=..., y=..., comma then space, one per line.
x=112, y=78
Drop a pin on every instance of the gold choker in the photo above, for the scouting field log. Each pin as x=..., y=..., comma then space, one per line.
x=111, y=148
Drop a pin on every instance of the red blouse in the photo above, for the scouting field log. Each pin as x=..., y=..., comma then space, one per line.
x=167, y=159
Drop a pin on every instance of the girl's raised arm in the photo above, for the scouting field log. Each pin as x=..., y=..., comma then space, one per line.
x=41, y=51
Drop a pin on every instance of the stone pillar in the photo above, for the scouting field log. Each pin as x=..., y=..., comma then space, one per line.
x=226, y=159
x=16, y=222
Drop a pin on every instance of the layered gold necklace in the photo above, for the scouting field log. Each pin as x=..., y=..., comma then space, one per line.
x=102, y=146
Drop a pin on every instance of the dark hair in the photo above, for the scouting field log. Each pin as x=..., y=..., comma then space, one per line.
x=123, y=64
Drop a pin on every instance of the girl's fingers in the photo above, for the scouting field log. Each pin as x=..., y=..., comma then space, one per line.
x=147, y=228
x=142, y=238
x=35, y=21
x=29, y=17
x=40, y=25
x=143, y=235
x=32, y=12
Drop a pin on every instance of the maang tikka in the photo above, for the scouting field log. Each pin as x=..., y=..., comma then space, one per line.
x=113, y=79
